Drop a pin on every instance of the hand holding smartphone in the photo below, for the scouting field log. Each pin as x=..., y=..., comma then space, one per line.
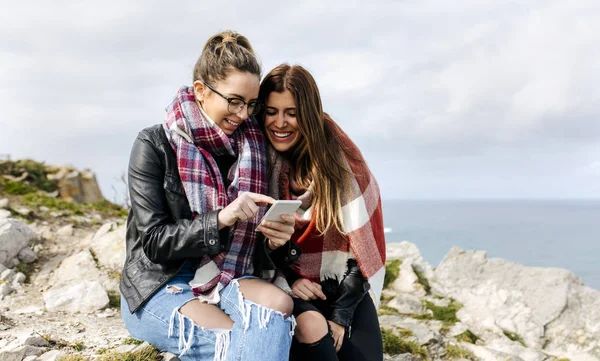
x=279, y=208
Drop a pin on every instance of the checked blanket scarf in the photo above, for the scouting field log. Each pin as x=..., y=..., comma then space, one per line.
x=195, y=141
x=325, y=256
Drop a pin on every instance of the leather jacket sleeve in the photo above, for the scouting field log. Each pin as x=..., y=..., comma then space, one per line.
x=350, y=292
x=165, y=238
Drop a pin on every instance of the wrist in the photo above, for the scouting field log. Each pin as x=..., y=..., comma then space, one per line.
x=220, y=221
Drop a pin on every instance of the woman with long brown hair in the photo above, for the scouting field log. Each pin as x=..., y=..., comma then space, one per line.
x=337, y=253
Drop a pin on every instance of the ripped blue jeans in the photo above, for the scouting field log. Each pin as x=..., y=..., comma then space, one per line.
x=258, y=333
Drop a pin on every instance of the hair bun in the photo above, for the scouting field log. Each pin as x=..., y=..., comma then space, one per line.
x=229, y=39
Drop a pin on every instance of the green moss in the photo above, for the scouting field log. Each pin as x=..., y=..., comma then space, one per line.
x=468, y=336
x=446, y=314
x=387, y=310
x=146, y=354
x=395, y=345
x=78, y=346
x=26, y=269
x=385, y=298
x=132, y=341
x=513, y=336
x=392, y=270
x=404, y=332
x=18, y=188
x=422, y=280
x=114, y=300
x=564, y=359
x=37, y=173
x=38, y=200
x=454, y=352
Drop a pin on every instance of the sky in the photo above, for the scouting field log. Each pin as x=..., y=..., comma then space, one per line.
x=471, y=99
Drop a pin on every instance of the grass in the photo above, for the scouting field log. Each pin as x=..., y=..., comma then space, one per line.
x=446, y=314
x=395, y=345
x=468, y=336
x=18, y=188
x=27, y=269
x=387, y=310
x=106, y=208
x=513, y=336
x=61, y=344
x=37, y=173
x=114, y=299
x=564, y=359
x=132, y=341
x=404, y=332
x=385, y=299
x=454, y=352
x=146, y=354
x=422, y=280
x=38, y=200
x=392, y=270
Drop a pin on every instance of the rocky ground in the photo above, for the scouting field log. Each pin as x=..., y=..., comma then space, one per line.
x=60, y=264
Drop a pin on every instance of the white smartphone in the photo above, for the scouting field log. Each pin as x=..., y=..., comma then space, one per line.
x=280, y=207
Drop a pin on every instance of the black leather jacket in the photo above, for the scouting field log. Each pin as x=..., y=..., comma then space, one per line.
x=343, y=296
x=161, y=231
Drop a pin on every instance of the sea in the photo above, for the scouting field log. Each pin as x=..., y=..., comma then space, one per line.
x=541, y=233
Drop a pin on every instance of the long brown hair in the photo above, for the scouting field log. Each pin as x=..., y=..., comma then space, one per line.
x=318, y=156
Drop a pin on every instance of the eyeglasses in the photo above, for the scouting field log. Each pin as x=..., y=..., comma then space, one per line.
x=235, y=105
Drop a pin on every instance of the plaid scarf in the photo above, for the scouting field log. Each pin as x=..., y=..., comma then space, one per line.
x=326, y=256
x=196, y=141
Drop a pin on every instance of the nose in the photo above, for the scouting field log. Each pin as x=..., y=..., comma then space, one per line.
x=280, y=121
x=243, y=113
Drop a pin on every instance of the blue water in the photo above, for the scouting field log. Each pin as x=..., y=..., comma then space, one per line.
x=544, y=233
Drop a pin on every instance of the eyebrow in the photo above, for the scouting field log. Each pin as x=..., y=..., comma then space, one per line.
x=290, y=108
x=233, y=95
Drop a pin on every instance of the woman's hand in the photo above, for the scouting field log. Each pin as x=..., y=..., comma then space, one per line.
x=338, y=332
x=243, y=208
x=278, y=233
x=307, y=290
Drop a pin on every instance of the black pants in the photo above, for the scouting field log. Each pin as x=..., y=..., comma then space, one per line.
x=364, y=343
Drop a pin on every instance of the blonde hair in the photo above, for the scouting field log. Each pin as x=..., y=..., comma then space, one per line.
x=222, y=53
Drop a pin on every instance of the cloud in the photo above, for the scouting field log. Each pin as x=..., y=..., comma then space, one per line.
x=428, y=89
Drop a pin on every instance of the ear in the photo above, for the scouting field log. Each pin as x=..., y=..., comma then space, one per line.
x=199, y=90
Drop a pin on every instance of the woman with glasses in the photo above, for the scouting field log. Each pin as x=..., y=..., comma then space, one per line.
x=197, y=183
x=337, y=253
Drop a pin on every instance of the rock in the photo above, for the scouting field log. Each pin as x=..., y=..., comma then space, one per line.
x=2, y=268
x=109, y=312
x=30, y=358
x=124, y=348
x=7, y=274
x=19, y=278
x=412, y=262
x=109, y=248
x=77, y=186
x=107, y=227
x=421, y=332
x=4, y=203
x=5, y=289
x=34, y=339
x=82, y=296
x=166, y=356
x=27, y=255
x=80, y=266
x=54, y=355
x=65, y=231
x=483, y=353
x=141, y=347
x=403, y=357
x=4, y=214
x=44, y=209
x=25, y=212
x=14, y=236
x=19, y=353
x=540, y=305
x=407, y=304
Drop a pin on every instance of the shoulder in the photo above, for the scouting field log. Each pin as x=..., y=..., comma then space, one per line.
x=154, y=134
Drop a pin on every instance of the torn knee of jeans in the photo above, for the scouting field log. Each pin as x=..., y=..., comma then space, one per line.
x=174, y=290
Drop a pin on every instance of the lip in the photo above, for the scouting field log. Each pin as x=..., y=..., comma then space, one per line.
x=275, y=136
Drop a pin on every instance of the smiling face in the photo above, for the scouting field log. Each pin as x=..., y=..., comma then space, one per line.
x=281, y=124
x=237, y=84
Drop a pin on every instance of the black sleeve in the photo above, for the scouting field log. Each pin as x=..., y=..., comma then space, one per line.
x=350, y=292
x=163, y=238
